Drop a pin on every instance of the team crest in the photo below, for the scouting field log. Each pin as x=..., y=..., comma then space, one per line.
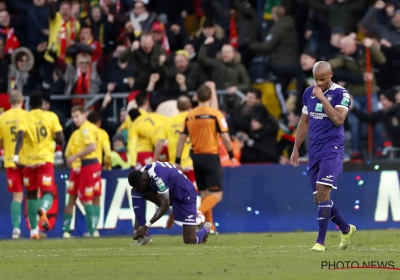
x=329, y=97
x=10, y=184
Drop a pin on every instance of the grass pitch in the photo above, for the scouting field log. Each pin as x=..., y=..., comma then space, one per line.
x=232, y=256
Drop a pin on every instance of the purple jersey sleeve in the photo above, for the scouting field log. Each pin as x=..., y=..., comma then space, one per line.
x=342, y=99
x=158, y=177
x=305, y=98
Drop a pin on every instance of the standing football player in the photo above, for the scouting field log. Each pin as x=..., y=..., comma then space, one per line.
x=165, y=185
x=90, y=166
x=326, y=105
x=37, y=130
x=8, y=136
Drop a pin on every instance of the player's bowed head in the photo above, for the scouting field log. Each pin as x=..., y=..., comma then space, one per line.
x=322, y=72
x=139, y=180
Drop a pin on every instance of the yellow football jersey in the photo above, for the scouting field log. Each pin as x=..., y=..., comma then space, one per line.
x=88, y=134
x=143, y=134
x=39, y=127
x=103, y=145
x=127, y=122
x=8, y=133
x=73, y=147
x=171, y=131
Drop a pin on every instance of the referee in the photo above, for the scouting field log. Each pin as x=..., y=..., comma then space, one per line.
x=204, y=125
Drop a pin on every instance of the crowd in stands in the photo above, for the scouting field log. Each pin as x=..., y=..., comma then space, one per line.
x=168, y=48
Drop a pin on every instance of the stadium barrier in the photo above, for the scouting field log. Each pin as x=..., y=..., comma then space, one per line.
x=92, y=99
x=257, y=198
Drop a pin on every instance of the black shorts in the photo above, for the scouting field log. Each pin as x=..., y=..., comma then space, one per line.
x=208, y=172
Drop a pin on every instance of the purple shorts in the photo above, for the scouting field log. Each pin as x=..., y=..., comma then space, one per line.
x=185, y=212
x=325, y=170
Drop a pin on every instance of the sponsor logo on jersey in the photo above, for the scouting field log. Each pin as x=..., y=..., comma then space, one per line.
x=46, y=181
x=345, y=101
x=26, y=182
x=160, y=185
x=318, y=107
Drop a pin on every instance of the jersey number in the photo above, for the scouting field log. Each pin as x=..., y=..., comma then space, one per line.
x=167, y=164
x=41, y=133
x=13, y=132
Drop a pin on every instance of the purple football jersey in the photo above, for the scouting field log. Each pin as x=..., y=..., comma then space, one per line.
x=164, y=177
x=324, y=135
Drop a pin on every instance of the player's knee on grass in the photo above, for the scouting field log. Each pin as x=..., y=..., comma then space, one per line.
x=189, y=234
x=323, y=192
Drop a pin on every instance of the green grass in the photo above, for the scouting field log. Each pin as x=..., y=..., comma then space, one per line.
x=233, y=256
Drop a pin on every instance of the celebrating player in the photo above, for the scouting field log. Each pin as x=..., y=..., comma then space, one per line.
x=8, y=136
x=103, y=146
x=165, y=185
x=325, y=109
x=72, y=148
x=170, y=132
x=90, y=165
x=36, y=132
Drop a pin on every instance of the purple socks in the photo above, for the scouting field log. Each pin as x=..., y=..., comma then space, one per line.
x=201, y=234
x=324, y=214
x=338, y=219
x=139, y=207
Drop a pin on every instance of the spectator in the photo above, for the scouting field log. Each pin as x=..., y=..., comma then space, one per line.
x=86, y=44
x=341, y=13
x=4, y=62
x=243, y=27
x=63, y=31
x=147, y=56
x=288, y=138
x=352, y=60
x=260, y=145
x=226, y=71
x=184, y=75
x=75, y=10
x=83, y=78
x=170, y=39
x=120, y=159
x=236, y=145
x=12, y=42
x=22, y=62
x=209, y=30
x=241, y=115
x=282, y=47
x=115, y=11
x=118, y=75
x=389, y=115
x=35, y=21
x=140, y=20
x=190, y=46
x=388, y=32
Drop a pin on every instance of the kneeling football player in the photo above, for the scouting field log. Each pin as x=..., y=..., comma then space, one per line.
x=165, y=185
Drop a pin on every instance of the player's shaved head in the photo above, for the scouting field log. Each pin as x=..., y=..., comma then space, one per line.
x=322, y=72
x=16, y=97
x=36, y=100
x=183, y=103
x=322, y=67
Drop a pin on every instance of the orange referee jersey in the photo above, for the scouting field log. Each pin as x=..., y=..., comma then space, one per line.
x=203, y=124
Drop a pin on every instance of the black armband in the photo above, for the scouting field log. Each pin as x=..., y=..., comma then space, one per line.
x=231, y=156
x=177, y=160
